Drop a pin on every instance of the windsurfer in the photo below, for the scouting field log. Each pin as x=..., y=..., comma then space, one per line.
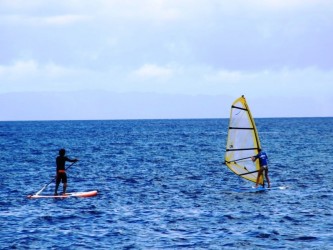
x=263, y=162
x=61, y=171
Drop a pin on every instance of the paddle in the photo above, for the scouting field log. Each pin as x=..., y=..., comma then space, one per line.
x=52, y=180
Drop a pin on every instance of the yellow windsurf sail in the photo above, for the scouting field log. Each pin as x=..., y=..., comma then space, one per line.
x=242, y=142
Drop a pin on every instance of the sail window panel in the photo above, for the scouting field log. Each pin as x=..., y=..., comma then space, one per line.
x=241, y=139
x=240, y=121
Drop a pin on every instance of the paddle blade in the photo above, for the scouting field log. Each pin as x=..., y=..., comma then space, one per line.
x=41, y=190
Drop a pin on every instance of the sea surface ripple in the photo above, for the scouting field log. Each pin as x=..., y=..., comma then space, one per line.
x=162, y=185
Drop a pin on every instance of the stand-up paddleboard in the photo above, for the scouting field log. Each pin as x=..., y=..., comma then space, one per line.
x=67, y=195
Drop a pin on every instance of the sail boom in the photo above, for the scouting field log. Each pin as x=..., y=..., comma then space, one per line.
x=249, y=173
x=240, y=159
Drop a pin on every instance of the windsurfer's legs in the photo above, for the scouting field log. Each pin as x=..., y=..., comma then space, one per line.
x=267, y=178
x=258, y=177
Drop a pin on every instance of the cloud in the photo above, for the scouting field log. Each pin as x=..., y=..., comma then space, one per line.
x=18, y=69
x=55, y=12
x=192, y=47
x=29, y=75
x=24, y=69
x=288, y=4
x=153, y=71
x=65, y=19
x=307, y=82
x=44, y=20
x=152, y=10
x=226, y=76
x=238, y=35
x=148, y=10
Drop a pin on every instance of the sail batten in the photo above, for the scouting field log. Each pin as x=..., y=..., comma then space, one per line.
x=242, y=142
x=240, y=149
x=240, y=128
x=238, y=107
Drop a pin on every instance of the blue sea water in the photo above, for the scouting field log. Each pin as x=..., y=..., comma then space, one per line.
x=162, y=185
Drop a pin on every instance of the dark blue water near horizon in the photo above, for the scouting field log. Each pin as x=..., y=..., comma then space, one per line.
x=162, y=185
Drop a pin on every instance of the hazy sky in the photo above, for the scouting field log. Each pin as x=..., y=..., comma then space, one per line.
x=278, y=53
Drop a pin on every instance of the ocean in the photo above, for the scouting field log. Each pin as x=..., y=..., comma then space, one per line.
x=162, y=185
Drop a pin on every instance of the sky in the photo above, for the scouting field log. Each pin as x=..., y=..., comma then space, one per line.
x=163, y=59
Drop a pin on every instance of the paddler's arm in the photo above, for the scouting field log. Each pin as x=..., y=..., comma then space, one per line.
x=71, y=160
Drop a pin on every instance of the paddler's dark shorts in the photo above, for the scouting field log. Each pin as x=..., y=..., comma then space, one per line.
x=61, y=177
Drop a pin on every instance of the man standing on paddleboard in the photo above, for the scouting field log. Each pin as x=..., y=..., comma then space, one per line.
x=262, y=156
x=61, y=170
